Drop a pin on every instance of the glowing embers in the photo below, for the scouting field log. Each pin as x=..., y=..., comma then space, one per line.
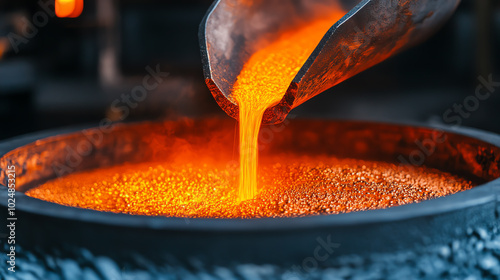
x=290, y=186
x=68, y=8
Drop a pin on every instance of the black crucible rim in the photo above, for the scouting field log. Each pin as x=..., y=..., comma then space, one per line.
x=478, y=196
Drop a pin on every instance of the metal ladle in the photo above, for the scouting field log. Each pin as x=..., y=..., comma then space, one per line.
x=370, y=32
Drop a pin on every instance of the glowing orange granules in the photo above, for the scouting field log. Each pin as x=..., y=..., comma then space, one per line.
x=262, y=83
x=302, y=186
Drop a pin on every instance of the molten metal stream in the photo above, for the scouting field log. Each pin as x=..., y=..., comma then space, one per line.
x=262, y=83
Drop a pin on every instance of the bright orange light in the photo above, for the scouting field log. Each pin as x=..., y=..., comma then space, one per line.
x=4, y=46
x=69, y=8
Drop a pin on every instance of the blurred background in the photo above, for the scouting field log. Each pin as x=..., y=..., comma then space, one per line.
x=58, y=72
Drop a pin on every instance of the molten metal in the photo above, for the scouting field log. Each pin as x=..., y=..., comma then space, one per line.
x=262, y=83
x=290, y=186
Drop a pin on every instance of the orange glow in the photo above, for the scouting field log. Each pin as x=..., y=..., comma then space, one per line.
x=69, y=8
x=262, y=83
x=291, y=186
x=4, y=46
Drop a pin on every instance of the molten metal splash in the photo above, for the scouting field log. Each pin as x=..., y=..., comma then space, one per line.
x=262, y=83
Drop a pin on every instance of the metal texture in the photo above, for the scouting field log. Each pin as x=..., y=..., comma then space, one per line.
x=370, y=32
x=42, y=156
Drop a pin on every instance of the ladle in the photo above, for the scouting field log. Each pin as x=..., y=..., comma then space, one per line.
x=370, y=32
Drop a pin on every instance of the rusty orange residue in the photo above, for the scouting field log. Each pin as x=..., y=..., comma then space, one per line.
x=68, y=8
x=290, y=186
x=262, y=83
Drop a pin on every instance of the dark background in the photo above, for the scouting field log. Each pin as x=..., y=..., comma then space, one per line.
x=71, y=70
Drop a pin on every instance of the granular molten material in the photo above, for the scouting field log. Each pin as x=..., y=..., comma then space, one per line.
x=289, y=186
